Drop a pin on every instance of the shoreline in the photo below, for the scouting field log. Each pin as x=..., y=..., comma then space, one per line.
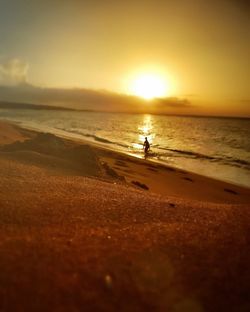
x=156, y=177
x=66, y=135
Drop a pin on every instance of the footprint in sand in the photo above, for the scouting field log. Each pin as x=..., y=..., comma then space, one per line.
x=188, y=179
x=141, y=185
x=171, y=205
x=230, y=191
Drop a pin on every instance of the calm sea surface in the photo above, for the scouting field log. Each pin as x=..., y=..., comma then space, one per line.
x=215, y=147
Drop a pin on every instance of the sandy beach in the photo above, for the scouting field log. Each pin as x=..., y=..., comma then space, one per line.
x=83, y=228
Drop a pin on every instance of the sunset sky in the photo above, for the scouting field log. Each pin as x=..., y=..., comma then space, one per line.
x=197, y=49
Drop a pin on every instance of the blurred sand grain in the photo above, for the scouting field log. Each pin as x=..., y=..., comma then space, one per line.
x=80, y=239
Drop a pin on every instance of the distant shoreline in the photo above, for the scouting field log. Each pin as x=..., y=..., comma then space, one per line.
x=17, y=105
x=111, y=155
x=21, y=105
x=101, y=143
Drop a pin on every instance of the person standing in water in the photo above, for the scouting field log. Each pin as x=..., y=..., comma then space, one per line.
x=146, y=145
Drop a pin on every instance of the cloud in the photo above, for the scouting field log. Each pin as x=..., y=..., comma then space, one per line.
x=172, y=102
x=15, y=88
x=97, y=100
x=13, y=71
x=245, y=101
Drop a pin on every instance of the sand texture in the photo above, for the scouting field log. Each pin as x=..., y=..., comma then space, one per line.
x=77, y=233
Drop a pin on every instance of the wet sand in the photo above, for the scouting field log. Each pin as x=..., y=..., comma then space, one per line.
x=80, y=231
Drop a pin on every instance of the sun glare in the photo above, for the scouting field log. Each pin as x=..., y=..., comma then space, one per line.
x=149, y=86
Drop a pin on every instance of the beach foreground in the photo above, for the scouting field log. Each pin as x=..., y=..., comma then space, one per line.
x=83, y=228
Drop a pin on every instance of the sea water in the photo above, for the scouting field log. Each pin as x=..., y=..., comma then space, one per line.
x=214, y=147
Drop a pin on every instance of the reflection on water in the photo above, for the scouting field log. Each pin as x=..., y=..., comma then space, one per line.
x=217, y=147
x=145, y=129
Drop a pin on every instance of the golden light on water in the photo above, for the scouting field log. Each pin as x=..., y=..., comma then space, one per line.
x=145, y=129
x=149, y=86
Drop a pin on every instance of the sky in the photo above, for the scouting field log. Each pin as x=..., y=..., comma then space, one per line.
x=200, y=49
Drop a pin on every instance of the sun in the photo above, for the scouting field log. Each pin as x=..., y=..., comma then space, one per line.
x=149, y=86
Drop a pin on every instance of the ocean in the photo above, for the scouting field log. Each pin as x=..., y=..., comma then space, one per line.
x=214, y=147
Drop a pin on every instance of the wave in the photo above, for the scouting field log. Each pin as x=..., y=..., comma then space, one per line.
x=188, y=153
x=240, y=163
x=95, y=137
x=226, y=160
x=102, y=140
x=236, y=162
x=98, y=139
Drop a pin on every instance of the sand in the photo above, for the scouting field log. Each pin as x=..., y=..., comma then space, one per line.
x=77, y=235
